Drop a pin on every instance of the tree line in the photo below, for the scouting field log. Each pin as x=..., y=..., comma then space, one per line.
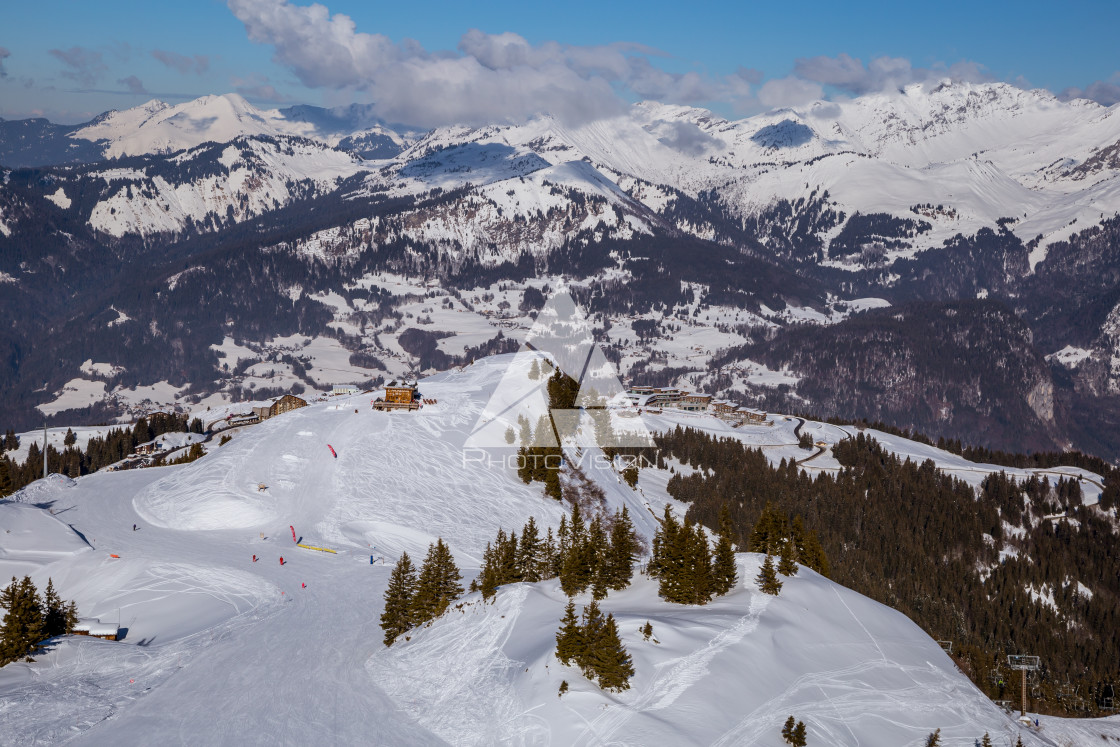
x=596, y=555
x=100, y=451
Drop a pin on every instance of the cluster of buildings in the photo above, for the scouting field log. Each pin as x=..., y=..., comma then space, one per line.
x=681, y=399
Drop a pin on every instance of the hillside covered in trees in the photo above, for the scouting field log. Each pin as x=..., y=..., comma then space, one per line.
x=1010, y=568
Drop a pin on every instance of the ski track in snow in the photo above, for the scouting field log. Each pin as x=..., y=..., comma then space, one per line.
x=454, y=681
x=831, y=702
x=675, y=676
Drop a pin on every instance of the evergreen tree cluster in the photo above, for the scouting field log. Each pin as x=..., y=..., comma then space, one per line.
x=30, y=618
x=592, y=643
x=794, y=733
x=776, y=534
x=414, y=598
x=599, y=555
x=682, y=561
x=961, y=562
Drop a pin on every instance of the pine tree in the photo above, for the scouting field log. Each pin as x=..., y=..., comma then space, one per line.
x=682, y=562
x=696, y=574
x=563, y=545
x=528, y=559
x=609, y=660
x=70, y=438
x=623, y=549
x=448, y=577
x=438, y=584
x=505, y=552
x=54, y=612
x=1019, y=741
x=397, y=617
x=787, y=730
x=594, y=558
x=666, y=557
x=569, y=639
x=786, y=564
x=797, y=737
x=71, y=616
x=768, y=531
x=23, y=622
x=534, y=371
x=933, y=739
x=808, y=547
x=767, y=578
x=599, y=588
x=547, y=566
x=724, y=569
x=576, y=569
x=488, y=575
x=986, y=741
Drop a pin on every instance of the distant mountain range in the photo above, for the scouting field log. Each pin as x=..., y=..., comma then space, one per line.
x=718, y=239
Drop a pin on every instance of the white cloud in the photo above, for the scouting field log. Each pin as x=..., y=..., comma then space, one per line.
x=687, y=138
x=1104, y=92
x=790, y=91
x=491, y=77
x=849, y=74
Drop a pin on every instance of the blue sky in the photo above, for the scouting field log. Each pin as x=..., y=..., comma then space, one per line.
x=71, y=60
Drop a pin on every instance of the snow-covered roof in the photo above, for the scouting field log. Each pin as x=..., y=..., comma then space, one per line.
x=96, y=627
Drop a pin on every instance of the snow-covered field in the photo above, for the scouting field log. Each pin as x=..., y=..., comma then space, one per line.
x=222, y=650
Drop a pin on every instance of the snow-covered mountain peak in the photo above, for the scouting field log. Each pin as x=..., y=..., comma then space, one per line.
x=156, y=127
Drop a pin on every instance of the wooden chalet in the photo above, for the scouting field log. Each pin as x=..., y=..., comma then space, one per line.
x=97, y=629
x=399, y=396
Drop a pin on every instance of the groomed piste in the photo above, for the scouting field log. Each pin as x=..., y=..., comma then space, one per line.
x=218, y=649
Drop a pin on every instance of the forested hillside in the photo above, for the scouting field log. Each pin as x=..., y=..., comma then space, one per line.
x=1010, y=568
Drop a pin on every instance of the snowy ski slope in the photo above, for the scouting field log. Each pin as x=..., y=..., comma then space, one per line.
x=222, y=650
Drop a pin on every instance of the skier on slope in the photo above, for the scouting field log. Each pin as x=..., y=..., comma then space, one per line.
x=281, y=560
